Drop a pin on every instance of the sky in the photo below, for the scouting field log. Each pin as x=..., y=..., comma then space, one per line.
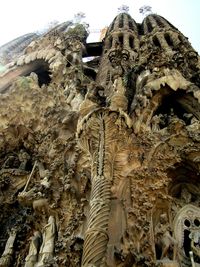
x=18, y=17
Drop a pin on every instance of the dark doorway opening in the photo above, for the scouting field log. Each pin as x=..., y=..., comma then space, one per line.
x=43, y=76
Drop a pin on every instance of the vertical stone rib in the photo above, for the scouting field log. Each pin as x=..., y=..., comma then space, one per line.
x=96, y=237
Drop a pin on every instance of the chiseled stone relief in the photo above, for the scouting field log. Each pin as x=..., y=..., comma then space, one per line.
x=99, y=158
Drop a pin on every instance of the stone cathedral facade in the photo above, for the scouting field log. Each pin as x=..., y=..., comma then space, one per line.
x=99, y=148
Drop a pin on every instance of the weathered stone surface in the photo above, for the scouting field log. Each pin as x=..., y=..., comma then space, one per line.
x=100, y=160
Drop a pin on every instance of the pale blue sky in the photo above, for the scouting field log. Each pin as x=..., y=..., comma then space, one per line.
x=18, y=17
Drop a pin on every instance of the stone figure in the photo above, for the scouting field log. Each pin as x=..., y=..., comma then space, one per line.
x=118, y=99
x=9, y=162
x=72, y=89
x=7, y=256
x=47, y=247
x=163, y=238
x=155, y=123
x=186, y=196
x=24, y=157
x=74, y=51
x=93, y=98
x=32, y=256
x=95, y=93
x=195, y=242
x=44, y=175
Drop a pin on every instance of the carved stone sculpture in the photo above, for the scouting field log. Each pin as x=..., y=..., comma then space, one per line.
x=163, y=238
x=186, y=231
x=103, y=140
x=48, y=242
x=7, y=256
x=195, y=242
x=32, y=257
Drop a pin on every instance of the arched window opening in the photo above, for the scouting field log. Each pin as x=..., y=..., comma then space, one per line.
x=159, y=21
x=131, y=42
x=130, y=24
x=156, y=41
x=110, y=42
x=121, y=40
x=168, y=39
x=149, y=26
x=121, y=21
x=184, y=40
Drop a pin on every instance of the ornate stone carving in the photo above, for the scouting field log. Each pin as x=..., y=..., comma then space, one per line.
x=186, y=231
x=7, y=256
x=48, y=243
x=103, y=140
x=163, y=238
x=32, y=257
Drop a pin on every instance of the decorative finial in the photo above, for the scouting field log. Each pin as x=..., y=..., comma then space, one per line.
x=123, y=9
x=145, y=10
x=78, y=17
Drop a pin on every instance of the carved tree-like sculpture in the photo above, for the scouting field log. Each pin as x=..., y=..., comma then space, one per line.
x=102, y=125
x=96, y=237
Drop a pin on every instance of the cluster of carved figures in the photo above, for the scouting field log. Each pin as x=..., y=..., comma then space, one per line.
x=100, y=158
x=41, y=246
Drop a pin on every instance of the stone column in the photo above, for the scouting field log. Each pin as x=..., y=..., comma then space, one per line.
x=96, y=237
